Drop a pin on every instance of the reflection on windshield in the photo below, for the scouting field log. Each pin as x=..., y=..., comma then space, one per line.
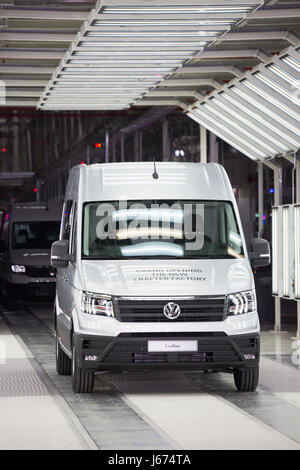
x=160, y=228
x=34, y=235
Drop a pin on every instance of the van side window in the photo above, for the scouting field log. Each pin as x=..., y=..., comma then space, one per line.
x=67, y=221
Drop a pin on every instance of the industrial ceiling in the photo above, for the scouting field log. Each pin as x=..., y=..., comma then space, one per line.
x=201, y=55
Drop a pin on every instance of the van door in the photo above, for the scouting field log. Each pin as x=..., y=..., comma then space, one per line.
x=64, y=322
x=70, y=276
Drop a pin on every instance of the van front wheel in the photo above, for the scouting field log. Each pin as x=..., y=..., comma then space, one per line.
x=246, y=380
x=83, y=380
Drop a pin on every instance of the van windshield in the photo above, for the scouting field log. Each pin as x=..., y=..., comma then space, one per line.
x=160, y=229
x=34, y=235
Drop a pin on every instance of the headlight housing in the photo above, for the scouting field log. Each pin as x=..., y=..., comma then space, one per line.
x=18, y=268
x=242, y=302
x=97, y=304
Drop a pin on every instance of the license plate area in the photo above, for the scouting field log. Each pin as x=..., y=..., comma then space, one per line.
x=170, y=346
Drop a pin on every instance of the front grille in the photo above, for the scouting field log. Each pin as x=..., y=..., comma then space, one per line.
x=198, y=309
x=216, y=350
x=132, y=348
x=40, y=271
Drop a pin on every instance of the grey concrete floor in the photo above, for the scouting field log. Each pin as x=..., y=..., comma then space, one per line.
x=140, y=410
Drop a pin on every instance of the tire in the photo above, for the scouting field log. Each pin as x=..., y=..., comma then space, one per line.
x=63, y=362
x=246, y=380
x=82, y=380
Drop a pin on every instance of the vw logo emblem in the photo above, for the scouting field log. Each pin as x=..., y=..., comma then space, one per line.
x=171, y=311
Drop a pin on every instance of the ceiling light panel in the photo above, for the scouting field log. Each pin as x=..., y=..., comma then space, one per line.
x=258, y=113
x=137, y=43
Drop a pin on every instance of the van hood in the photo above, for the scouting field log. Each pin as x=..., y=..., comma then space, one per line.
x=167, y=278
x=30, y=258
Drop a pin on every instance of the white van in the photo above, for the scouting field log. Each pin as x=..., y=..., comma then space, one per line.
x=27, y=233
x=153, y=273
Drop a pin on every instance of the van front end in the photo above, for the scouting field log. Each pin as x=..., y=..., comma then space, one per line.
x=141, y=334
x=31, y=281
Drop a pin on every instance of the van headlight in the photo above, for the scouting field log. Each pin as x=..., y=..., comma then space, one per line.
x=18, y=268
x=97, y=304
x=242, y=302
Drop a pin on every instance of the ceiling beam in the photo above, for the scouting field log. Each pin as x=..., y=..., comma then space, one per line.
x=40, y=13
x=271, y=13
x=39, y=36
x=43, y=54
x=11, y=82
x=26, y=69
x=233, y=54
x=162, y=102
x=288, y=36
x=174, y=94
x=210, y=69
x=20, y=102
x=23, y=93
x=196, y=82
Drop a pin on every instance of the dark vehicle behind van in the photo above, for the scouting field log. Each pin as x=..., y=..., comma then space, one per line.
x=28, y=231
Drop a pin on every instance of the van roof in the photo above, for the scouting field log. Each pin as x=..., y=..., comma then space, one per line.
x=34, y=211
x=134, y=181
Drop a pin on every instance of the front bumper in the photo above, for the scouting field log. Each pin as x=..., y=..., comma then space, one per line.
x=216, y=351
x=32, y=290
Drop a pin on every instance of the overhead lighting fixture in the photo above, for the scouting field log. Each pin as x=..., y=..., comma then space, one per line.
x=258, y=114
x=271, y=83
x=211, y=127
x=241, y=130
x=258, y=103
x=274, y=128
x=234, y=136
x=141, y=43
x=283, y=74
x=272, y=99
x=250, y=124
x=187, y=10
x=145, y=34
x=292, y=62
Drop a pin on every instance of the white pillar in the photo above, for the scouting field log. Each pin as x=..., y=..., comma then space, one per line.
x=15, y=129
x=141, y=147
x=260, y=198
x=203, y=144
x=122, y=147
x=107, y=146
x=213, y=148
x=277, y=202
x=136, y=149
x=114, y=148
x=165, y=141
x=298, y=201
x=28, y=136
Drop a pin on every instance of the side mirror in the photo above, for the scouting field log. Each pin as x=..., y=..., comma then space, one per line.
x=60, y=256
x=261, y=252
